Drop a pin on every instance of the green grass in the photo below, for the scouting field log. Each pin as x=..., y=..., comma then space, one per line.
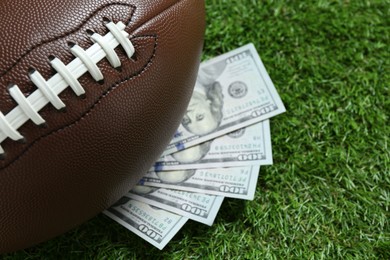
x=328, y=193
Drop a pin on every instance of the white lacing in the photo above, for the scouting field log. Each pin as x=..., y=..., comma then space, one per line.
x=67, y=75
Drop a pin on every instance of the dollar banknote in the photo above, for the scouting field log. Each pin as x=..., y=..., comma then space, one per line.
x=246, y=146
x=196, y=206
x=216, y=152
x=157, y=226
x=235, y=182
x=232, y=91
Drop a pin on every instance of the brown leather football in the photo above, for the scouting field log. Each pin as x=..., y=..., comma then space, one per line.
x=91, y=93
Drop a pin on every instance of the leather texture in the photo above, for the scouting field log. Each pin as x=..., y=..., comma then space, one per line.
x=91, y=154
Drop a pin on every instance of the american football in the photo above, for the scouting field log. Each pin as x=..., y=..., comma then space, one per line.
x=91, y=93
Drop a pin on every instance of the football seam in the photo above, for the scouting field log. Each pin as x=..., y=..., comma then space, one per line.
x=104, y=94
x=113, y=86
x=58, y=37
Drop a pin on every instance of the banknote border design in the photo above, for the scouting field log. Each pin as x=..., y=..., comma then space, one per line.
x=279, y=106
x=160, y=203
x=113, y=214
x=266, y=159
x=254, y=169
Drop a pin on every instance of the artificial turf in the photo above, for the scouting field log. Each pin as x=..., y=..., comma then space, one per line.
x=327, y=196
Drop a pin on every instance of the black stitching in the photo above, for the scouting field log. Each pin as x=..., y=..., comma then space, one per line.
x=112, y=88
x=66, y=34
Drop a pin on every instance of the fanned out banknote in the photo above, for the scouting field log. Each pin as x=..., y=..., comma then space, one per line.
x=232, y=91
x=157, y=226
x=196, y=206
x=234, y=182
x=216, y=152
x=246, y=146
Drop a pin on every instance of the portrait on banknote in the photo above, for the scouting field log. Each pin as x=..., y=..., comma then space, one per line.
x=140, y=189
x=232, y=91
x=193, y=154
x=204, y=113
x=215, y=153
x=175, y=177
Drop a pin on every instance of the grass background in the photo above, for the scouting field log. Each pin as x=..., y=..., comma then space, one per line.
x=328, y=193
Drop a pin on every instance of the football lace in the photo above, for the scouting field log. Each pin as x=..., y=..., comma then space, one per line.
x=66, y=76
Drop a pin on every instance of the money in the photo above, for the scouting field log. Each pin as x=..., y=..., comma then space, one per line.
x=246, y=146
x=232, y=91
x=236, y=182
x=216, y=152
x=196, y=206
x=156, y=226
